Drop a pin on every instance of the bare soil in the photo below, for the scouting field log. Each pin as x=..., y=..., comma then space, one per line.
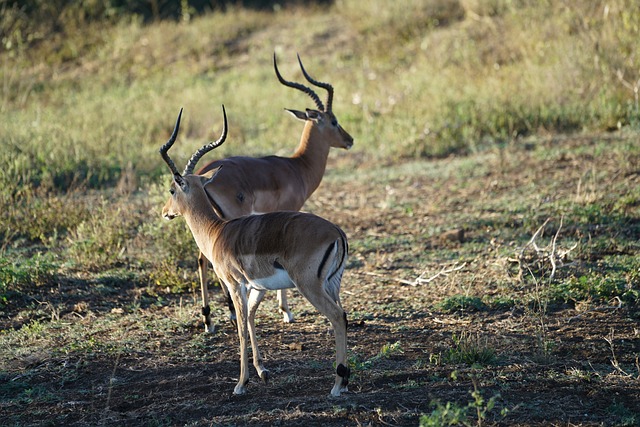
x=575, y=364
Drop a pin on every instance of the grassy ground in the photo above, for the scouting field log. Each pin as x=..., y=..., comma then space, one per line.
x=492, y=202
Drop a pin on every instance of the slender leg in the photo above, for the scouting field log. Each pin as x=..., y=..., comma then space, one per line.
x=232, y=310
x=326, y=305
x=255, y=298
x=287, y=316
x=203, y=265
x=239, y=296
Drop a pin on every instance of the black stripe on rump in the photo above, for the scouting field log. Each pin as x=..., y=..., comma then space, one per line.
x=345, y=249
x=325, y=257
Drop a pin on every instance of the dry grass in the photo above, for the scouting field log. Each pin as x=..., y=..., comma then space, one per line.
x=99, y=310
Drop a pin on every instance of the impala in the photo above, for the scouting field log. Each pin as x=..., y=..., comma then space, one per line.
x=256, y=253
x=257, y=185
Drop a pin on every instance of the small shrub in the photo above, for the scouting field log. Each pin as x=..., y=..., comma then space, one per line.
x=449, y=414
x=168, y=275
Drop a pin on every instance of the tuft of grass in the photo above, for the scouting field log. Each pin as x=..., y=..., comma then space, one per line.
x=470, y=349
x=37, y=270
x=388, y=350
x=452, y=414
x=463, y=303
x=623, y=415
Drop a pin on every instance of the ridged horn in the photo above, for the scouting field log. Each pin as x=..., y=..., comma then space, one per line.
x=207, y=147
x=298, y=86
x=315, y=82
x=165, y=148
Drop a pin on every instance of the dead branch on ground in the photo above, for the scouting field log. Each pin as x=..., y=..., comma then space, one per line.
x=421, y=280
x=532, y=257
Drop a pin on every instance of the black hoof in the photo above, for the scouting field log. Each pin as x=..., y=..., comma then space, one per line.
x=265, y=377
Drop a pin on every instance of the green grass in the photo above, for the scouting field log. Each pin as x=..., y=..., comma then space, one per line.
x=470, y=349
x=466, y=89
x=452, y=414
x=461, y=303
x=431, y=104
x=14, y=275
x=487, y=116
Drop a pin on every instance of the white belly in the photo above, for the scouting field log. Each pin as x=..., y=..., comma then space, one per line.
x=279, y=280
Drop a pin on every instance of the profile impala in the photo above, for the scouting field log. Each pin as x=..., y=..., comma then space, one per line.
x=257, y=185
x=256, y=253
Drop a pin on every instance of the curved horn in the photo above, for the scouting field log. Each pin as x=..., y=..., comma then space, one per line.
x=168, y=144
x=325, y=86
x=298, y=86
x=207, y=147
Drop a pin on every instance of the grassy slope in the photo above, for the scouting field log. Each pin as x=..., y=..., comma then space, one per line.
x=77, y=132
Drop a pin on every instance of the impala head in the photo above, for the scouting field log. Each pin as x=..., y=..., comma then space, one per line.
x=323, y=117
x=183, y=185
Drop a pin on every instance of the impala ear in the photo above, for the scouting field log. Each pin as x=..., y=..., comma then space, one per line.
x=313, y=115
x=305, y=115
x=300, y=115
x=210, y=175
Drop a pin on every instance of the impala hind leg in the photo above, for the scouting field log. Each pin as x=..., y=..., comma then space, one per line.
x=255, y=298
x=283, y=304
x=328, y=306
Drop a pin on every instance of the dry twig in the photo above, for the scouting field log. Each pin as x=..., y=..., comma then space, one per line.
x=539, y=255
x=421, y=280
x=614, y=360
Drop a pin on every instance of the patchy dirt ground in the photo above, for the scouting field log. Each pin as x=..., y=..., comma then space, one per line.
x=114, y=352
x=575, y=385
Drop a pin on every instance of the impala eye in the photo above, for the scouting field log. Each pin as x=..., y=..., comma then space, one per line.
x=334, y=122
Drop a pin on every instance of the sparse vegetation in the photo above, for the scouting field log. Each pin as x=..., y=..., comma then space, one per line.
x=470, y=349
x=461, y=303
x=451, y=414
x=475, y=121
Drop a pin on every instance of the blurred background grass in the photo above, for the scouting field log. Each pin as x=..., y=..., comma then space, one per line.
x=95, y=86
x=91, y=89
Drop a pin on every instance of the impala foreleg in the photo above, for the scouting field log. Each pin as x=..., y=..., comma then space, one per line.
x=203, y=265
x=238, y=294
x=233, y=318
x=255, y=298
x=287, y=316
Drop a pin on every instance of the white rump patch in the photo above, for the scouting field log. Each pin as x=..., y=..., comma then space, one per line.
x=279, y=280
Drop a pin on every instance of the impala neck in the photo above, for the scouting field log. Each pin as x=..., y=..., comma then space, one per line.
x=311, y=155
x=204, y=223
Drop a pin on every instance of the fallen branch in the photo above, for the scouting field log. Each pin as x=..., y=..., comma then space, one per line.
x=550, y=253
x=444, y=272
x=420, y=280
